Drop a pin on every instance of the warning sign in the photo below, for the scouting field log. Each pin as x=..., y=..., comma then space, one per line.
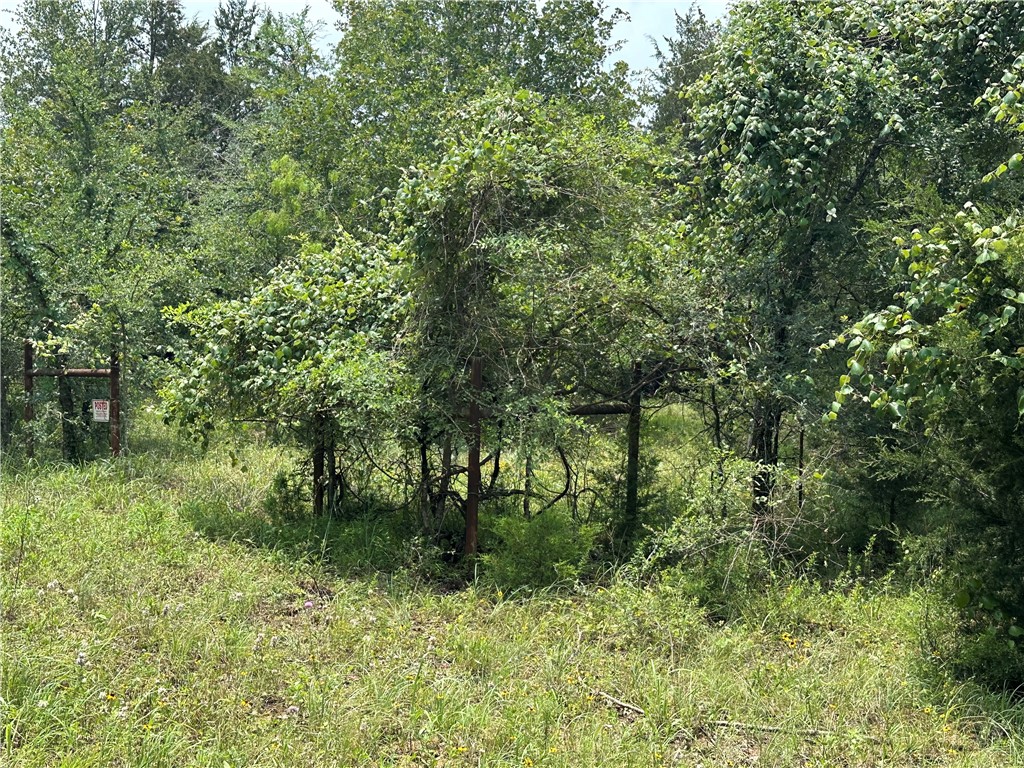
x=101, y=410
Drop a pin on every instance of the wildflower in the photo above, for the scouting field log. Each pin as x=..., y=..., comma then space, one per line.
x=308, y=604
x=527, y=762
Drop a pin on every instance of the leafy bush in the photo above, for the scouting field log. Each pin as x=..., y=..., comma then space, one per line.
x=546, y=550
x=714, y=543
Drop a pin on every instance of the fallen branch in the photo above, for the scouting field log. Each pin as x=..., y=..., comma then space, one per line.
x=780, y=729
x=619, y=702
x=738, y=725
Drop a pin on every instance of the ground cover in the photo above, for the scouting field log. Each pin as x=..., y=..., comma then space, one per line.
x=154, y=613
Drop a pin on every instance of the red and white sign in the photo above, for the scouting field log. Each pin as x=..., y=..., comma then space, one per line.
x=101, y=410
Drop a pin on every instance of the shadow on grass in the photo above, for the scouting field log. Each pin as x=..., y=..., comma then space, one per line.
x=354, y=543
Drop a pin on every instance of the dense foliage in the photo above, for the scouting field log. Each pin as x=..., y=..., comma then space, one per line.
x=460, y=260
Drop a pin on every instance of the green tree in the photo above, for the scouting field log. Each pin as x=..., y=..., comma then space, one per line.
x=531, y=245
x=815, y=121
x=945, y=362
x=686, y=58
x=97, y=179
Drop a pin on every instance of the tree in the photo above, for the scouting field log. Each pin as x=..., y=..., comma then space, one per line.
x=944, y=360
x=521, y=253
x=530, y=257
x=814, y=121
x=96, y=180
x=687, y=58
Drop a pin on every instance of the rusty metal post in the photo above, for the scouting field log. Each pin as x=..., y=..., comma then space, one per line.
x=115, y=404
x=29, y=409
x=476, y=383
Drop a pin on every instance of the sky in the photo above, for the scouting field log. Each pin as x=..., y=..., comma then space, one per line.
x=647, y=19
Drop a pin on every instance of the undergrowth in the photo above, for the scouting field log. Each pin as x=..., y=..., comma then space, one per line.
x=161, y=610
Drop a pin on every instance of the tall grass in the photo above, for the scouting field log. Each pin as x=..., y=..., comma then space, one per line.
x=157, y=612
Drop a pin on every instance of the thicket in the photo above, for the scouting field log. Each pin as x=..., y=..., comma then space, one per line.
x=757, y=313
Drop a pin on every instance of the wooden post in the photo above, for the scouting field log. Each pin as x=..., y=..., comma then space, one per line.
x=115, y=404
x=473, y=491
x=29, y=409
x=527, y=485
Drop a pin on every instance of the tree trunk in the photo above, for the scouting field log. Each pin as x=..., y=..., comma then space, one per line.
x=528, y=486
x=764, y=449
x=29, y=382
x=334, y=486
x=423, y=443
x=446, y=473
x=800, y=481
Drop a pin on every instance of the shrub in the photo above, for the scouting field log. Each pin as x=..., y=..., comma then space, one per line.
x=548, y=549
x=713, y=544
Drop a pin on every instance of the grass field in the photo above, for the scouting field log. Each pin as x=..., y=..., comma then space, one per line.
x=154, y=615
